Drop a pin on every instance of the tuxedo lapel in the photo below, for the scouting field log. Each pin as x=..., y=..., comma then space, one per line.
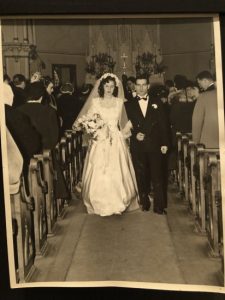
x=138, y=110
x=148, y=111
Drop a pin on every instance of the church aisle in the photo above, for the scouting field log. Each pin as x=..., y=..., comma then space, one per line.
x=192, y=248
x=136, y=246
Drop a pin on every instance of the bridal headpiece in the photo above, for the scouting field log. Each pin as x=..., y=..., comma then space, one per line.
x=111, y=75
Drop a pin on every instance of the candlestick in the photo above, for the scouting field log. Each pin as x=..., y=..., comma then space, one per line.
x=15, y=38
x=33, y=33
x=25, y=32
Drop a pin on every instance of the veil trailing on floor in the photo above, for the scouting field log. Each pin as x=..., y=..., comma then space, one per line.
x=124, y=124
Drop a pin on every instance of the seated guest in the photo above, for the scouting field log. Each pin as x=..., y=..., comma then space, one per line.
x=19, y=85
x=181, y=121
x=68, y=106
x=43, y=118
x=205, y=123
x=83, y=93
x=181, y=115
x=25, y=135
x=192, y=91
x=169, y=85
x=49, y=98
x=178, y=92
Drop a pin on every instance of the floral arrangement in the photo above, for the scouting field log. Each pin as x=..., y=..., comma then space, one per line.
x=148, y=64
x=100, y=63
x=91, y=124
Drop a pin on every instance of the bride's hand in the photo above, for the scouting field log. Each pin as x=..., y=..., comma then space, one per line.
x=140, y=136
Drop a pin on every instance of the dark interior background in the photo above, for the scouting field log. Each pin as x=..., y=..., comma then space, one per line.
x=25, y=7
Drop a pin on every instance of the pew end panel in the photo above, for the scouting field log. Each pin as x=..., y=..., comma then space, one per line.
x=39, y=189
x=22, y=215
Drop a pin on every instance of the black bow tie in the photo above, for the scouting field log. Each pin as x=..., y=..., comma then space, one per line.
x=142, y=98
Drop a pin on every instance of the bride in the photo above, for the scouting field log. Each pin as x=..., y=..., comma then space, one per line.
x=108, y=181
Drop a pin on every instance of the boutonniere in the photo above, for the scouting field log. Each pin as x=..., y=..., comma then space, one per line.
x=155, y=106
x=134, y=94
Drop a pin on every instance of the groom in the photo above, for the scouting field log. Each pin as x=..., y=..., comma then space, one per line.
x=148, y=144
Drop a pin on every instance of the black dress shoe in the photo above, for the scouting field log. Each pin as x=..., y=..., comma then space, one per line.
x=146, y=207
x=160, y=211
x=145, y=204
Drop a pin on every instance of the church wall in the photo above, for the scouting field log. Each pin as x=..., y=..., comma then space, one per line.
x=185, y=44
x=186, y=48
x=78, y=60
x=61, y=42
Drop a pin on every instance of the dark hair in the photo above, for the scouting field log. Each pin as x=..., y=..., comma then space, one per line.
x=35, y=90
x=103, y=82
x=132, y=79
x=191, y=84
x=6, y=77
x=158, y=91
x=124, y=77
x=67, y=88
x=205, y=75
x=169, y=83
x=18, y=79
x=46, y=80
x=180, y=81
x=142, y=77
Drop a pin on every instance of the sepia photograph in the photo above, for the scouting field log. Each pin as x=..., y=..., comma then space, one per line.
x=112, y=131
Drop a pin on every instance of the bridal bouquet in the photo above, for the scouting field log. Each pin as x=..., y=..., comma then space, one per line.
x=91, y=124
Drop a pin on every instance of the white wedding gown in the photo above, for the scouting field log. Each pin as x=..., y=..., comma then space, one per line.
x=108, y=182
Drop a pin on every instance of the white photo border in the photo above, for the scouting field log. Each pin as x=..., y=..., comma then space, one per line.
x=220, y=99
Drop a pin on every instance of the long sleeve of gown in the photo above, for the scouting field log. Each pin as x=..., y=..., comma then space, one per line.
x=125, y=124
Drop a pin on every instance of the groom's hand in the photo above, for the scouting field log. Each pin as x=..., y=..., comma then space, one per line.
x=164, y=149
x=140, y=136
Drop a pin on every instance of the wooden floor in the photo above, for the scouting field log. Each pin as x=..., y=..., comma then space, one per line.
x=136, y=246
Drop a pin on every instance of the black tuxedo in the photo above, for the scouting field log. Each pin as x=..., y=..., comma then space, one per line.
x=146, y=154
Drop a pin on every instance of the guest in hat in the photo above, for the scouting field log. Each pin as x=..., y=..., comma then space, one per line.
x=68, y=106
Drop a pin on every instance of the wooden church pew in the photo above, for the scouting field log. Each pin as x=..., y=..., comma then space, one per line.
x=49, y=175
x=69, y=141
x=39, y=189
x=59, y=202
x=179, y=163
x=191, y=178
x=78, y=157
x=22, y=205
x=213, y=203
x=64, y=162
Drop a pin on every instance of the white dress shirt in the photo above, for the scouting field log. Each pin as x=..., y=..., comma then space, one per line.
x=143, y=105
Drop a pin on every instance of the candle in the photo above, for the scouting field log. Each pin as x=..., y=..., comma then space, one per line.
x=33, y=33
x=25, y=32
x=15, y=38
x=109, y=49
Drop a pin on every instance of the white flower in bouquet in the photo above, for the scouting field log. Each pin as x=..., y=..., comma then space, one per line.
x=91, y=124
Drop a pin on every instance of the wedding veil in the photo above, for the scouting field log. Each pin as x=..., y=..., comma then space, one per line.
x=94, y=94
